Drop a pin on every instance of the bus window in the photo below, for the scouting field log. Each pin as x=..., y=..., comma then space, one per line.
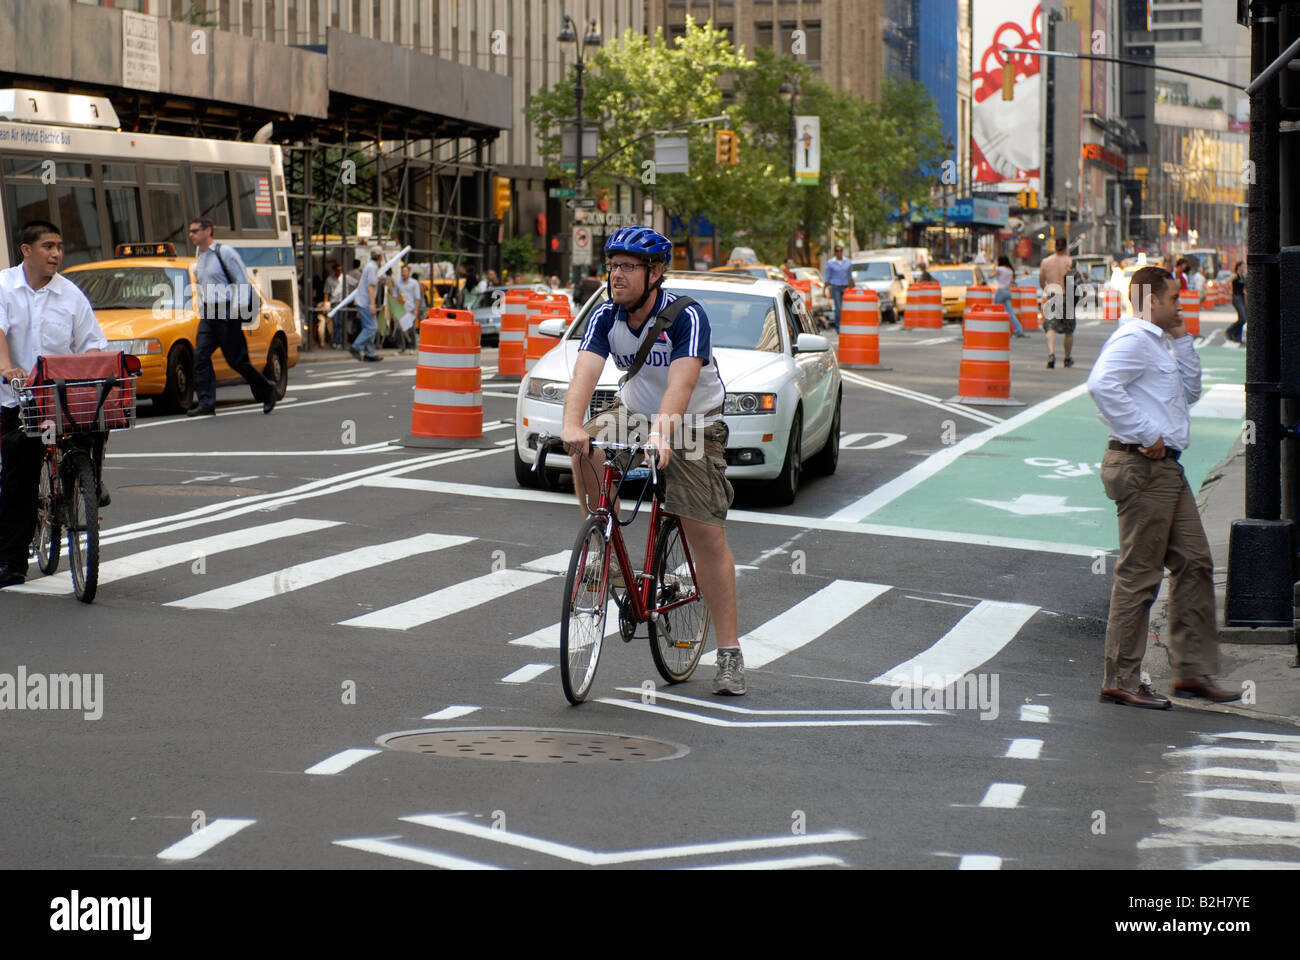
x=213, y=191
x=123, y=207
x=24, y=202
x=79, y=221
x=162, y=176
x=167, y=219
x=24, y=168
x=254, y=192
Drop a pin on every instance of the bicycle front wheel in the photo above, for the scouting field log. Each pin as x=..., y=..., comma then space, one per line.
x=83, y=527
x=677, y=636
x=586, y=603
x=49, y=531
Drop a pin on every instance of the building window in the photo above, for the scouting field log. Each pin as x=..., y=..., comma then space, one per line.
x=813, y=34
x=763, y=34
x=787, y=35
x=1177, y=36
x=334, y=13
x=676, y=31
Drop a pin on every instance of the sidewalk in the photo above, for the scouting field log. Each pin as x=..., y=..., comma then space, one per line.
x=1270, y=664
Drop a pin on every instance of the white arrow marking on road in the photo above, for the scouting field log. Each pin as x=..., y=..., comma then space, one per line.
x=316, y=572
x=408, y=851
x=449, y=600
x=159, y=558
x=977, y=637
x=201, y=841
x=342, y=760
x=593, y=858
x=1035, y=505
x=804, y=622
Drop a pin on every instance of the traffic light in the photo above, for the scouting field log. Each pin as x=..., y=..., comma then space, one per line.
x=1033, y=199
x=1022, y=198
x=1008, y=80
x=726, y=147
x=500, y=196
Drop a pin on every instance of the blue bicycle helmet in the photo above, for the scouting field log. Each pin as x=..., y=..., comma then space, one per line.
x=640, y=242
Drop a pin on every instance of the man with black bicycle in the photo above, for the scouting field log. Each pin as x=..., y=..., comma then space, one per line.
x=674, y=389
x=41, y=313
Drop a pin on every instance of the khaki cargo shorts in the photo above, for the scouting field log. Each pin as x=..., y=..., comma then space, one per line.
x=696, y=478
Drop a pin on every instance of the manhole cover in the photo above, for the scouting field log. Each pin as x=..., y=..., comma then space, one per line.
x=190, y=490
x=530, y=745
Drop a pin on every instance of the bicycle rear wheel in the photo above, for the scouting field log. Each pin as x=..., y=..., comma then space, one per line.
x=677, y=637
x=83, y=526
x=49, y=531
x=586, y=602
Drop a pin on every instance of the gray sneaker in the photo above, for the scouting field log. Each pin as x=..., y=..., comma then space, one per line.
x=730, y=677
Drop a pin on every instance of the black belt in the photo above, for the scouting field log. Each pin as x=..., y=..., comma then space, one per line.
x=1170, y=452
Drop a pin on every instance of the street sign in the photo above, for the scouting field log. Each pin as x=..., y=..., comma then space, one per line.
x=559, y=193
x=588, y=203
x=365, y=226
x=581, y=246
x=672, y=155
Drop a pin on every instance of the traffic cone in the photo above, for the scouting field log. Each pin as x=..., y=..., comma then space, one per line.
x=985, y=377
x=447, y=413
x=860, y=330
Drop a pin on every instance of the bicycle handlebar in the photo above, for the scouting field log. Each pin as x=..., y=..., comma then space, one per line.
x=547, y=443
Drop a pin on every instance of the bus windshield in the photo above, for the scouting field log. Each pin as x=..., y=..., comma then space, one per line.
x=133, y=288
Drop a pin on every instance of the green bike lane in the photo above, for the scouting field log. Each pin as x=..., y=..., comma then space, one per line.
x=1034, y=481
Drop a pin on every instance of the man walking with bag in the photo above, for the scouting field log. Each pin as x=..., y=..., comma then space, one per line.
x=226, y=299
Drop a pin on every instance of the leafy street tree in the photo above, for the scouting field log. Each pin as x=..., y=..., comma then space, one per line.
x=878, y=154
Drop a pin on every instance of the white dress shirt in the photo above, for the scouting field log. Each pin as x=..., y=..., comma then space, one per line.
x=1142, y=388
x=54, y=319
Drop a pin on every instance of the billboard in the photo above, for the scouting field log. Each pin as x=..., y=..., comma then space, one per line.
x=1006, y=135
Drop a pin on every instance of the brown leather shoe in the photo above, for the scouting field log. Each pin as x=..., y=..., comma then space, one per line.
x=1204, y=687
x=1143, y=696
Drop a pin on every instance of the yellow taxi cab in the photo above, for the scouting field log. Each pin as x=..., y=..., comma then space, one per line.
x=762, y=271
x=436, y=291
x=954, y=278
x=144, y=301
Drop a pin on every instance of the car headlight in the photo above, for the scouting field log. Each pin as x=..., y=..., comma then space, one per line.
x=548, y=391
x=137, y=348
x=737, y=404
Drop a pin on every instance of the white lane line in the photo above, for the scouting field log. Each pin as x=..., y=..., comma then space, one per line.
x=1257, y=737
x=979, y=861
x=977, y=637
x=451, y=713
x=1035, y=713
x=447, y=601
x=409, y=851
x=323, y=385
x=548, y=638
x=201, y=841
x=1251, y=826
x=1024, y=748
x=1003, y=795
x=529, y=671
x=778, y=863
x=891, y=491
x=978, y=416
x=1248, y=796
x=720, y=722
x=594, y=858
x=149, y=561
x=554, y=563
x=288, y=403
x=804, y=622
x=950, y=603
x=1241, y=863
x=1234, y=773
x=382, y=445
x=392, y=480
x=1239, y=753
x=316, y=572
x=729, y=708
x=342, y=760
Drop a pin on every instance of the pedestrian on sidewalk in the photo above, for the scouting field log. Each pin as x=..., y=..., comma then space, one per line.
x=1233, y=333
x=1142, y=391
x=1059, y=293
x=1002, y=294
x=227, y=300
x=363, y=348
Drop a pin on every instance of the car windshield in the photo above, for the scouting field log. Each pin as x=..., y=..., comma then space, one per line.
x=133, y=288
x=954, y=277
x=745, y=321
x=879, y=270
x=1098, y=271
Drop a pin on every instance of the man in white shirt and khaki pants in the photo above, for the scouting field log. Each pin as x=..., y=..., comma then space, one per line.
x=1142, y=391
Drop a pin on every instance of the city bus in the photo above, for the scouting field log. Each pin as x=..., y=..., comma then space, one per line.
x=63, y=159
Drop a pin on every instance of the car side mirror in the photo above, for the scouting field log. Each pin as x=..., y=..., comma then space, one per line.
x=811, y=343
x=554, y=327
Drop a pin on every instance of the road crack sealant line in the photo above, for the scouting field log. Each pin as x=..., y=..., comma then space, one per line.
x=272, y=501
x=978, y=416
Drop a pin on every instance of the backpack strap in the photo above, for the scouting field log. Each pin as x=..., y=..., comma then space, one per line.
x=664, y=321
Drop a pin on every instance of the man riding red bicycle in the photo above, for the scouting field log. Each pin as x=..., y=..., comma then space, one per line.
x=675, y=391
x=41, y=313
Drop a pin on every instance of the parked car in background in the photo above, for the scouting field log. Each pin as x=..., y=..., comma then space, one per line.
x=954, y=278
x=822, y=304
x=889, y=277
x=760, y=271
x=162, y=330
x=782, y=380
x=918, y=258
x=486, y=305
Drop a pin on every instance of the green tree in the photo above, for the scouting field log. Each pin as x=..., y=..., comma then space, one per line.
x=518, y=254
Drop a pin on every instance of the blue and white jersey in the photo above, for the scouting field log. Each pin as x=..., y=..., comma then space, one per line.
x=608, y=334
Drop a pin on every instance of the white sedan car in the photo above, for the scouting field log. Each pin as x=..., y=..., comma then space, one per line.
x=782, y=382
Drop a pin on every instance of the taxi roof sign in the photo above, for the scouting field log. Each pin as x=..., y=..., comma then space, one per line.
x=145, y=250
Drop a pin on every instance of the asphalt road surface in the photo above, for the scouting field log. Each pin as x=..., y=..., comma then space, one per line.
x=281, y=595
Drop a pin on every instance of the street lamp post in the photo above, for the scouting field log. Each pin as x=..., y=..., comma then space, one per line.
x=569, y=34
